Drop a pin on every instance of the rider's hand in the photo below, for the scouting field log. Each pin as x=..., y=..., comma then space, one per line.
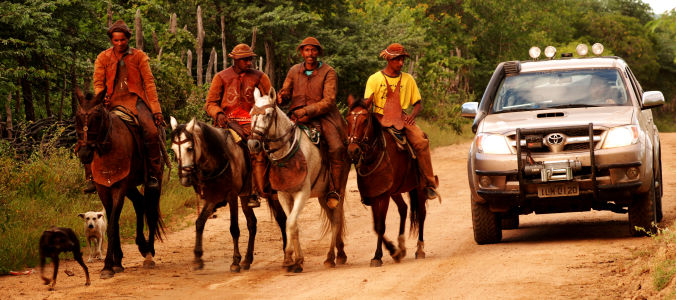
x=159, y=120
x=284, y=94
x=408, y=119
x=221, y=121
x=298, y=114
x=237, y=128
x=106, y=101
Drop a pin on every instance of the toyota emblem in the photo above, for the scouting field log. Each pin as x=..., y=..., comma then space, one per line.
x=555, y=139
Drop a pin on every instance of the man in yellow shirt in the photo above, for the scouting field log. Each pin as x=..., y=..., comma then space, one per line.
x=392, y=91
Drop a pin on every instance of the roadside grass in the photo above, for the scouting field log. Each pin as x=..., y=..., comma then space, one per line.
x=664, y=121
x=46, y=190
x=440, y=137
x=663, y=273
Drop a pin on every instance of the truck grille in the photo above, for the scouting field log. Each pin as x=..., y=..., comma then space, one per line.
x=557, y=140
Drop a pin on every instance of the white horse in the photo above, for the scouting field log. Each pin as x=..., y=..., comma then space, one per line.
x=297, y=173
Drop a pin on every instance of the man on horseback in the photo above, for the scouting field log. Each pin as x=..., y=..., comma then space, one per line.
x=393, y=91
x=230, y=100
x=124, y=73
x=310, y=86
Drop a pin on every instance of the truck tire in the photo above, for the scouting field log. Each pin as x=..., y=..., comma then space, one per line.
x=659, y=189
x=486, y=224
x=643, y=213
x=510, y=220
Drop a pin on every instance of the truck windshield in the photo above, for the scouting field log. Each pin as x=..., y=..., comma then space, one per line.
x=560, y=89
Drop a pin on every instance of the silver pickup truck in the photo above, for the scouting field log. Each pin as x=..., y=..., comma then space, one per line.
x=563, y=135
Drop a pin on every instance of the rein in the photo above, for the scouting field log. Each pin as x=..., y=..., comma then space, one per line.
x=190, y=170
x=85, y=129
x=364, y=143
x=260, y=135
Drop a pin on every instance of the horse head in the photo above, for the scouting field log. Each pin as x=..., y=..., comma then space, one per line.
x=183, y=144
x=360, y=127
x=263, y=115
x=92, y=124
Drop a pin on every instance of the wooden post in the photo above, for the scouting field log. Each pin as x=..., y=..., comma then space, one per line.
x=260, y=63
x=156, y=43
x=225, y=53
x=210, y=65
x=110, y=15
x=253, y=38
x=139, y=30
x=270, y=61
x=215, y=60
x=198, y=49
x=63, y=95
x=48, y=106
x=8, y=111
x=189, y=63
x=172, y=24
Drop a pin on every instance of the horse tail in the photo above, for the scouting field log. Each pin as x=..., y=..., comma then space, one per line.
x=326, y=217
x=415, y=222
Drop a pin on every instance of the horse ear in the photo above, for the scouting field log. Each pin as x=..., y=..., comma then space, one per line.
x=257, y=93
x=99, y=97
x=191, y=125
x=173, y=122
x=80, y=97
x=350, y=100
x=367, y=102
x=273, y=95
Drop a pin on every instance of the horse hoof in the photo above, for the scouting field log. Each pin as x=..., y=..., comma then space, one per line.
x=245, y=265
x=106, y=274
x=287, y=263
x=420, y=255
x=376, y=263
x=397, y=256
x=341, y=259
x=329, y=264
x=148, y=264
x=234, y=268
x=118, y=269
x=297, y=268
x=332, y=203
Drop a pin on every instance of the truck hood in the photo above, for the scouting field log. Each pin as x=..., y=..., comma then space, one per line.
x=608, y=116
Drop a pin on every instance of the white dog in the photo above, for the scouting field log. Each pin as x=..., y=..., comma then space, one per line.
x=95, y=231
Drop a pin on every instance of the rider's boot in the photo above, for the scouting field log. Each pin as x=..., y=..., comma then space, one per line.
x=253, y=201
x=90, y=187
x=154, y=157
x=258, y=169
x=425, y=166
x=339, y=171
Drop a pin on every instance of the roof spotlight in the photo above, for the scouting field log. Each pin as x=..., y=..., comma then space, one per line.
x=597, y=49
x=534, y=52
x=550, y=51
x=582, y=49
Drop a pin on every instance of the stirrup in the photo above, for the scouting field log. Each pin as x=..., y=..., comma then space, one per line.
x=253, y=201
x=90, y=187
x=431, y=193
x=153, y=183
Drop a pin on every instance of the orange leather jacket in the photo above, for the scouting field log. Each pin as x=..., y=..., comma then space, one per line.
x=140, y=79
x=232, y=93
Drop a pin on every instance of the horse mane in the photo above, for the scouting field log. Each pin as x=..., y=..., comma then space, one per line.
x=217, y=141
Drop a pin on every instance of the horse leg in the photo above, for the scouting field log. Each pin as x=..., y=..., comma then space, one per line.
x=251, y=227
x=377, y=259
x=331, y=255
x=234, y=231
x=402, y=208
x=113, y=210
x=137, y=200
x=339, y=221
x=280, y=216
x=298, y=201
x=421, y=214
x=118, y=204
x=197, y=262
x=286, y=202
x=152, y=213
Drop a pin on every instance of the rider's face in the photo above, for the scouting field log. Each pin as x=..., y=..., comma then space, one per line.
x=120, y=41
x=396, y=63
x=309, y=54
x=244, y=63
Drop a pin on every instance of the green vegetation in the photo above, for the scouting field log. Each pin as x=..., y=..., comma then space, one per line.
x=46, y=190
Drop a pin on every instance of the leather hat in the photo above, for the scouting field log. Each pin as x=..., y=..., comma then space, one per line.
x=241, y=51
x=119, y=26
x=310, y=41
x=393, y=51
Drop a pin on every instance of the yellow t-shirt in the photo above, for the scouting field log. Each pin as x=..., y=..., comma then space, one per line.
x=408, y=92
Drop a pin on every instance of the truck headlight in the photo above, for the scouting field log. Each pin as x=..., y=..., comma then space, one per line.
x=492, y=144
x=621, y=136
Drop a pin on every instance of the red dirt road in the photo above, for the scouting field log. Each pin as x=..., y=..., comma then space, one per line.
x=578, y=255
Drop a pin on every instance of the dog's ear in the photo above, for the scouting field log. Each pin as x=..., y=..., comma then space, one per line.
x=99, y=215
x=81, y=216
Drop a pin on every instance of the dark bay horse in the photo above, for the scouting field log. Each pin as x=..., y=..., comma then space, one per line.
x=112, y=148
x=384, y=171
x=218, y=169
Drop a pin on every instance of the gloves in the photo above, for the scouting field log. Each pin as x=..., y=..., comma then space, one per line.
x=237, y=128
x=298, y=114
x=221, y=121
x=159, y=120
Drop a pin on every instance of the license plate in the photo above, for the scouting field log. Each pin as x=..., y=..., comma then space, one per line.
x=558, y=190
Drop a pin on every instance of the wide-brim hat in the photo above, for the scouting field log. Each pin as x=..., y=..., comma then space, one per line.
x=393, y=51
x=241, y=51
x=310, y=41
x=119, y=26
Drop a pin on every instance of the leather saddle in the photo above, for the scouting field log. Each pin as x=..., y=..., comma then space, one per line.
x=400, y=140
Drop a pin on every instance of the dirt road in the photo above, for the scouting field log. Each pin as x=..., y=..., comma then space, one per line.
x=579, y=255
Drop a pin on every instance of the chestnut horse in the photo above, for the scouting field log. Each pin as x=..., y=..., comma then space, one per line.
x=217, y=168
x=111, y=146
x=297, y=173
x=384, y=171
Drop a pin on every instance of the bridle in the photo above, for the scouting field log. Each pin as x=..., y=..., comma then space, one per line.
x=100, y=139
x=260, y=134
x=364, y=143
x=190, y=170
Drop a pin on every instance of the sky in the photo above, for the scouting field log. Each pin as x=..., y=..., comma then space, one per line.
x=659, y=6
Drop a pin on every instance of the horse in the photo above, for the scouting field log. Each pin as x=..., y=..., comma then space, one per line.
x=113, y=149
x=384, y=171
x=297, y=173
x=217, y=168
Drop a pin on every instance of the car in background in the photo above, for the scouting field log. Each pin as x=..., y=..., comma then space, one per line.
x=563, y=135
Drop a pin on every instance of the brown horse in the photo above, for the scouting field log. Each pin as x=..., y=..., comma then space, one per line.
x=384, y=171
x=112, y=148
x=217, y=168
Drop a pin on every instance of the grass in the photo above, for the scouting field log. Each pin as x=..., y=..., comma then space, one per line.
x=440, y=137
x=663, y=273
x=45, y=190
x=664, y=121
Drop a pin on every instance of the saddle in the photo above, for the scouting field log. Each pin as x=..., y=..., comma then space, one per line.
x=401, y=141
x=288, y=173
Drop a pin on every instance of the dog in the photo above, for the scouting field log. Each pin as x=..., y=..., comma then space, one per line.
x=95, y=231
x=55, y=241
